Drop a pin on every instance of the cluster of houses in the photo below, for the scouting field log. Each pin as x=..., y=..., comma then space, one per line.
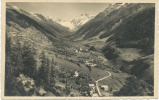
x=90, y=63
x=93, y=91
x=104, y=87
x=80, y=50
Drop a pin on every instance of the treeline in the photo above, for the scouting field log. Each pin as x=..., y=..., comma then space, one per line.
x=20, y=59
x=146, y=44
x=136, y=32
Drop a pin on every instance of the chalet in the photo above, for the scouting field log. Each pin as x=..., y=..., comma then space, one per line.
x=76, y=51
x=104, y=87
x=80, y=49
x=31, y=82
x=42, y=92
x=90, y=63
x=95, y=95
x=76, y=74
x=91, y=93
x=24, y=82
x=91, y=85
x=93, y=65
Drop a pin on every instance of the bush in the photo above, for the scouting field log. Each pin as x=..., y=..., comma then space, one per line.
x=110, y=53
x=92, y=48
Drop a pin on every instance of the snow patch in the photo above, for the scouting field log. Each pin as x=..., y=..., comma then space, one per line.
x=36, y=16
x=76, y=22
x=16, y=8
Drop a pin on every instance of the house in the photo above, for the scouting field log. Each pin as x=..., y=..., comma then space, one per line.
x=42, y=91
x=93, y=65
x=31, y=81
x=95, y=95
x=76, y=51
x=91, y=93
x=93, y=88
x=80, y=49
x=91, y=85
x=24, y=82
x=76, y=74
x=88, y=64
x=104, y=87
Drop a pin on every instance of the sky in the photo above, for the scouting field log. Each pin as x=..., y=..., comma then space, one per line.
x=65, y=11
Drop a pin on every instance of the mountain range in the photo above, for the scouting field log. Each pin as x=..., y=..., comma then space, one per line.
x=123, y=33
x=75, y=22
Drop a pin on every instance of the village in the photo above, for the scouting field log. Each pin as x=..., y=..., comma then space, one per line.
x=82, y=59
x=70, y=82
x=77, y=88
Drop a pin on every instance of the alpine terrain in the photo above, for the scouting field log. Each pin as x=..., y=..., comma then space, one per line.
x=75, y=22
x=110, y=54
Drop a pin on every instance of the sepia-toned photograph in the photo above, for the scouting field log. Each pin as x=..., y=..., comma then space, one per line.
x=79, y=49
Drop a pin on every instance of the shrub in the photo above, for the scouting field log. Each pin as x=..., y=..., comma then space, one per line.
x=110, y=53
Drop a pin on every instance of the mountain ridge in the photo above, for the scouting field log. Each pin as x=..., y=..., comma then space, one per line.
x=76, y=22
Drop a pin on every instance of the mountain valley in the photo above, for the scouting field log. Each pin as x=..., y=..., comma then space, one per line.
x=113, y=49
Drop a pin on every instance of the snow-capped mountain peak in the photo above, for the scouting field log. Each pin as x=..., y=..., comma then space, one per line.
x=76, y=22
x=79, y=21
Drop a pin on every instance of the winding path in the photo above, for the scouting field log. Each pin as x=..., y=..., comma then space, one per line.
x=101, y=80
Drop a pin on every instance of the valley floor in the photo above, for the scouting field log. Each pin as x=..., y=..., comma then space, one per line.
x=75, y=57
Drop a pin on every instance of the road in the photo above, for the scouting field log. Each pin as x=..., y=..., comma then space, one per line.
x=97, y=87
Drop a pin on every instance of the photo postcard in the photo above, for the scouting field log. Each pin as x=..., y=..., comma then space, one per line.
x=83, y=49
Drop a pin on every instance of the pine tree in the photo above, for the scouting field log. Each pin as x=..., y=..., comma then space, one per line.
x=43, y=71
x=52, y=75
x=29, y=61
x=48, y=72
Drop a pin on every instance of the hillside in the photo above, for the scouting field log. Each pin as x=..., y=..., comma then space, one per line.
x=108, y=20
x=38, y=21
x=40, y=33
x=125, y=34
x=140, y=37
